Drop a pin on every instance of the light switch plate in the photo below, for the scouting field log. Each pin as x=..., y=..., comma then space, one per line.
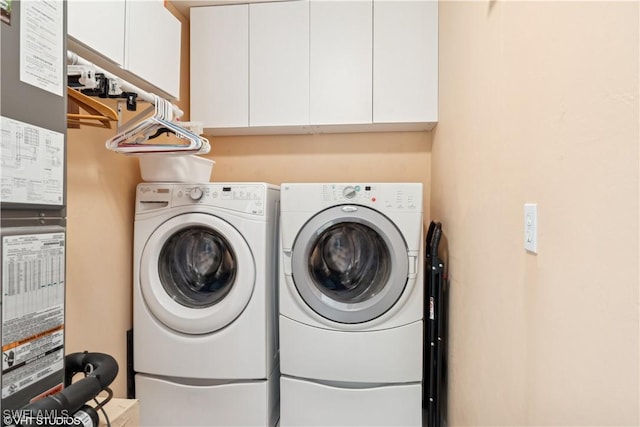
x=531, y=227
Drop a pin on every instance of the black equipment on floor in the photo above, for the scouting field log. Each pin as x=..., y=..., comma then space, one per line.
x=68, y=407
x=435, y=343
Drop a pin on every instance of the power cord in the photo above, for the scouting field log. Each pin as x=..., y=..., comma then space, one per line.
x=100, y=405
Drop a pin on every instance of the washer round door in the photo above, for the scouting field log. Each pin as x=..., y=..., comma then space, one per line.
x=197, y=273
x=350, y=264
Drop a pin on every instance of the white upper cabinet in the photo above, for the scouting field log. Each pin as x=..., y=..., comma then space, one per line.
x=98, y=25
x=220, y=66
x=152, y=49
x=405, y=66
x=138, y=40
x=279, y=64
x=341, y=62
x=315, y=66
x=250, y=65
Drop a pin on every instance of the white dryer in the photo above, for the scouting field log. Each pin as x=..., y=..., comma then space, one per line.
x=204, y=298
x=351, y=304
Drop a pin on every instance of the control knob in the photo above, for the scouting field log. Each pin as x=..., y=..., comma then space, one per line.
x=349, y=192
x=196, y=193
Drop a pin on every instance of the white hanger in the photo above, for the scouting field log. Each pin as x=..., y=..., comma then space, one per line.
x=135, y=140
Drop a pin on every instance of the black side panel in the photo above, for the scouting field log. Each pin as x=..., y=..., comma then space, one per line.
x=131, y=384
x=436, y=308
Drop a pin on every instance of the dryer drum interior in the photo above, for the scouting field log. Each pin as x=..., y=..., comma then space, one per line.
x=349, y=263
x=350, y=266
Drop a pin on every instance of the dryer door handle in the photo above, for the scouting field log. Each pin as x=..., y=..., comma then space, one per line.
x=413, y=266
x=286, y=262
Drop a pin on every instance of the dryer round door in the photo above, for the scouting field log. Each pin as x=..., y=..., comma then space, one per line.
x=197, y=273
x=350, y=264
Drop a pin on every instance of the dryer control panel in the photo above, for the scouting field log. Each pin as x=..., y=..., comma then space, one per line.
x=400, y=196
x=248, y=198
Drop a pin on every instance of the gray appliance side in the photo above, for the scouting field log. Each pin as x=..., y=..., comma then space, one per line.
x=31, y=234
x=32, y=302
x=27, y=103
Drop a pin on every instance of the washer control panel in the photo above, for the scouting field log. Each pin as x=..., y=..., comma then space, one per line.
x=248, y=198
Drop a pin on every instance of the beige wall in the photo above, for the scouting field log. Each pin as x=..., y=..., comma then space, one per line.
x=100, y=195
x=374, y=157
x=539, y=103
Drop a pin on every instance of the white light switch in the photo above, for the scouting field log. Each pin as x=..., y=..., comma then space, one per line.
x=531, y=227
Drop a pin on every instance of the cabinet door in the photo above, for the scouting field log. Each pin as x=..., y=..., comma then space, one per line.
x=341, y=62
x=98, y=25
x=220, y=66
x=153, y=44
x=405, y=61
x=279, y=63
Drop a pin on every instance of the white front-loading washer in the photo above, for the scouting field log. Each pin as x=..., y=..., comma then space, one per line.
x=351, y=304
x=204, y=298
